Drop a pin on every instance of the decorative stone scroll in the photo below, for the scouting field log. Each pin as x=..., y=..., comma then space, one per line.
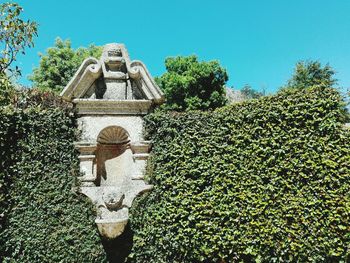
x=112, y=95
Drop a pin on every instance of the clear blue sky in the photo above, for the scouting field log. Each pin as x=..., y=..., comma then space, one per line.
x=257, y=41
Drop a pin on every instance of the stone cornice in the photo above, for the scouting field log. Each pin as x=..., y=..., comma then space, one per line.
x=112, y=107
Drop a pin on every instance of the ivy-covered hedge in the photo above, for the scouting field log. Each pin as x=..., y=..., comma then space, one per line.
x=267, y=181
x=42, y=218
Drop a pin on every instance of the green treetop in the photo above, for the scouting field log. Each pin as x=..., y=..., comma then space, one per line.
x=311, y=73
x=190, y=84
x=59, y=64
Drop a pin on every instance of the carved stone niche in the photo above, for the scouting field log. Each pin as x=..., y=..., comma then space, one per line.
x=112, y=95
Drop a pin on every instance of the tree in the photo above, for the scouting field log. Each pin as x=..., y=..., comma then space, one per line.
x=189, y=84
x=310, y=73
x=15, y=36
x=59, y=64
x=250, y=93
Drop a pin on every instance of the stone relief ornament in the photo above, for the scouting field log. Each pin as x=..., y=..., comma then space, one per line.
x=112, y=95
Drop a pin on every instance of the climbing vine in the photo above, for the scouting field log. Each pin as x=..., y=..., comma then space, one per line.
x=267, y=180
x=43, y=219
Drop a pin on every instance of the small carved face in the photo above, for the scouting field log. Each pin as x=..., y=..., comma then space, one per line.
x=116, y=52
x=113, y=200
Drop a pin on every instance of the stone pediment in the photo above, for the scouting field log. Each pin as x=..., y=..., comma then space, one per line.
x=113, y=77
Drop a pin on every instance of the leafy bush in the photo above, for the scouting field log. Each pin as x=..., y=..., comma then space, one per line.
x=267, y=180
x=43, y=219
x=190, y=84
x=59, y=64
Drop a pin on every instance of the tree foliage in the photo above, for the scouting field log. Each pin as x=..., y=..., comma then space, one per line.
x=310, y=73
x=266, y=180
x=190, y=84
x=15, y=34
x=59, y=64
x=249, y=93
x=6, y=90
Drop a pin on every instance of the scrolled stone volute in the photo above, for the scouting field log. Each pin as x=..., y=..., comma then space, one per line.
x=113, y=77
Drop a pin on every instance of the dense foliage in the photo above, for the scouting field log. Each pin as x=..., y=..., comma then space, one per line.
x=190, y=84
x=59, y=64
x=42, y=218
x=267, y=180
x=7, y=90
x=310, y=73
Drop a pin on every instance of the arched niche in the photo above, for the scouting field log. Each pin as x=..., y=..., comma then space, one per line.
x=113, y=156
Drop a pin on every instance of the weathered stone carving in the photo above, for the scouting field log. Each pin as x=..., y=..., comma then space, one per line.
x=111, y=95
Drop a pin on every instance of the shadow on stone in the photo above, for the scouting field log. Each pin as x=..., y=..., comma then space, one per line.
x=118, y=249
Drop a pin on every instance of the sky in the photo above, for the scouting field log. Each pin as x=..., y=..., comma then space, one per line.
x=258, y=42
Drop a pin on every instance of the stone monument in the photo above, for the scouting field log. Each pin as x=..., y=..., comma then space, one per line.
x=112, y=95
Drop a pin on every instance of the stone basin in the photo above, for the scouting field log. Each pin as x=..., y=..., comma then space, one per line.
x=111, y=228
